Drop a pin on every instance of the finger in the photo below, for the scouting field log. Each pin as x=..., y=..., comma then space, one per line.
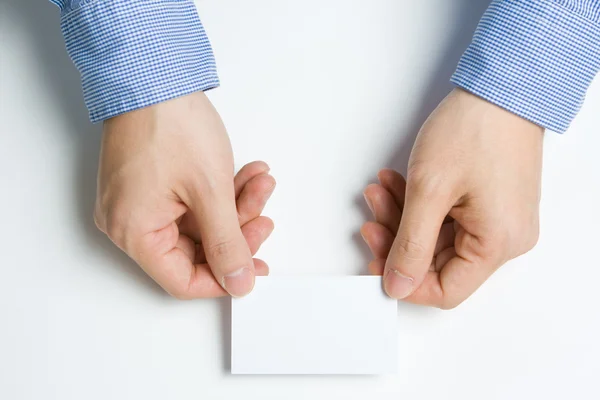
x=394, y=183
x=378, y=238
x=254, y=197
x=456, y=277
x=463, y=274
x=205, y=275
x=456, y=281
x=187, y=245
x=206, y=286
x=224, y=244
x=166, y=256
x=445, y=238
x=256, y=232
x=443, y=257
x=248, y=172
x=429, y=293
x=413, y=249
x=383, y=206
x=261, y=267
x=188, y=226
x=250, y=204
x=376, y=267
x=200, y=256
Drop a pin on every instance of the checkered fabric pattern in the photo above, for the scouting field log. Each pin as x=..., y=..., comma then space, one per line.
x=134, y=53
x=535, y=58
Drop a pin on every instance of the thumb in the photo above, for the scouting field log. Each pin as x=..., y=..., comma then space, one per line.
x=225, y=247
x=413, y=248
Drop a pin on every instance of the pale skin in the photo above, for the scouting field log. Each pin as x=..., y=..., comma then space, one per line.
x=469, y=204
x=168, y=197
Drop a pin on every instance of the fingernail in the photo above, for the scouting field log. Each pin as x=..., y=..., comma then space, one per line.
x=397, y=285
x=369, y=203
x=239, y=283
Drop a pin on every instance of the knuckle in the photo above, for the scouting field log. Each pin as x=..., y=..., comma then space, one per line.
x=496, y=247
x=219, y=248
x=521, y=235
x=410, y=249
x=479, y=247
x=114, y=220
x=116, y=224
x=417, y=173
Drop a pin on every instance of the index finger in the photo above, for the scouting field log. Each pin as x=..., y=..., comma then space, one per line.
x=169, y=263
x=248, y=172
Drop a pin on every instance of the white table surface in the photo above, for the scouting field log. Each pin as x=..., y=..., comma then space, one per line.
x=327, y=92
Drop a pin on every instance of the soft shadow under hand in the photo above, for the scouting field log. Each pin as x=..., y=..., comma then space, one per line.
x=40, y=23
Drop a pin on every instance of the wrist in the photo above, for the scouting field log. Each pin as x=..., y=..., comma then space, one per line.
x=479, y=109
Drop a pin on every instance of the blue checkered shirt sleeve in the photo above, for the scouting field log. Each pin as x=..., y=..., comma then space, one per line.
x=135, y=53
x=535, y=58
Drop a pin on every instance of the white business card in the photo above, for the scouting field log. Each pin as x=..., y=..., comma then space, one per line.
x=314, y=325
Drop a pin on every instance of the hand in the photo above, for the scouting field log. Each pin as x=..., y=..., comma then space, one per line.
x=168, y=198
x=470, y=203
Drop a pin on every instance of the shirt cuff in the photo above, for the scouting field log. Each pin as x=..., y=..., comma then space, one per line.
x=534, y=58
x=135, y=53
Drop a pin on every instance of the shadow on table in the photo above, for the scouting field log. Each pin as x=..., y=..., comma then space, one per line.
x=39, y=20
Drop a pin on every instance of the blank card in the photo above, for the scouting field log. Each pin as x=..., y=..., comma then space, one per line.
x=325, y=325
